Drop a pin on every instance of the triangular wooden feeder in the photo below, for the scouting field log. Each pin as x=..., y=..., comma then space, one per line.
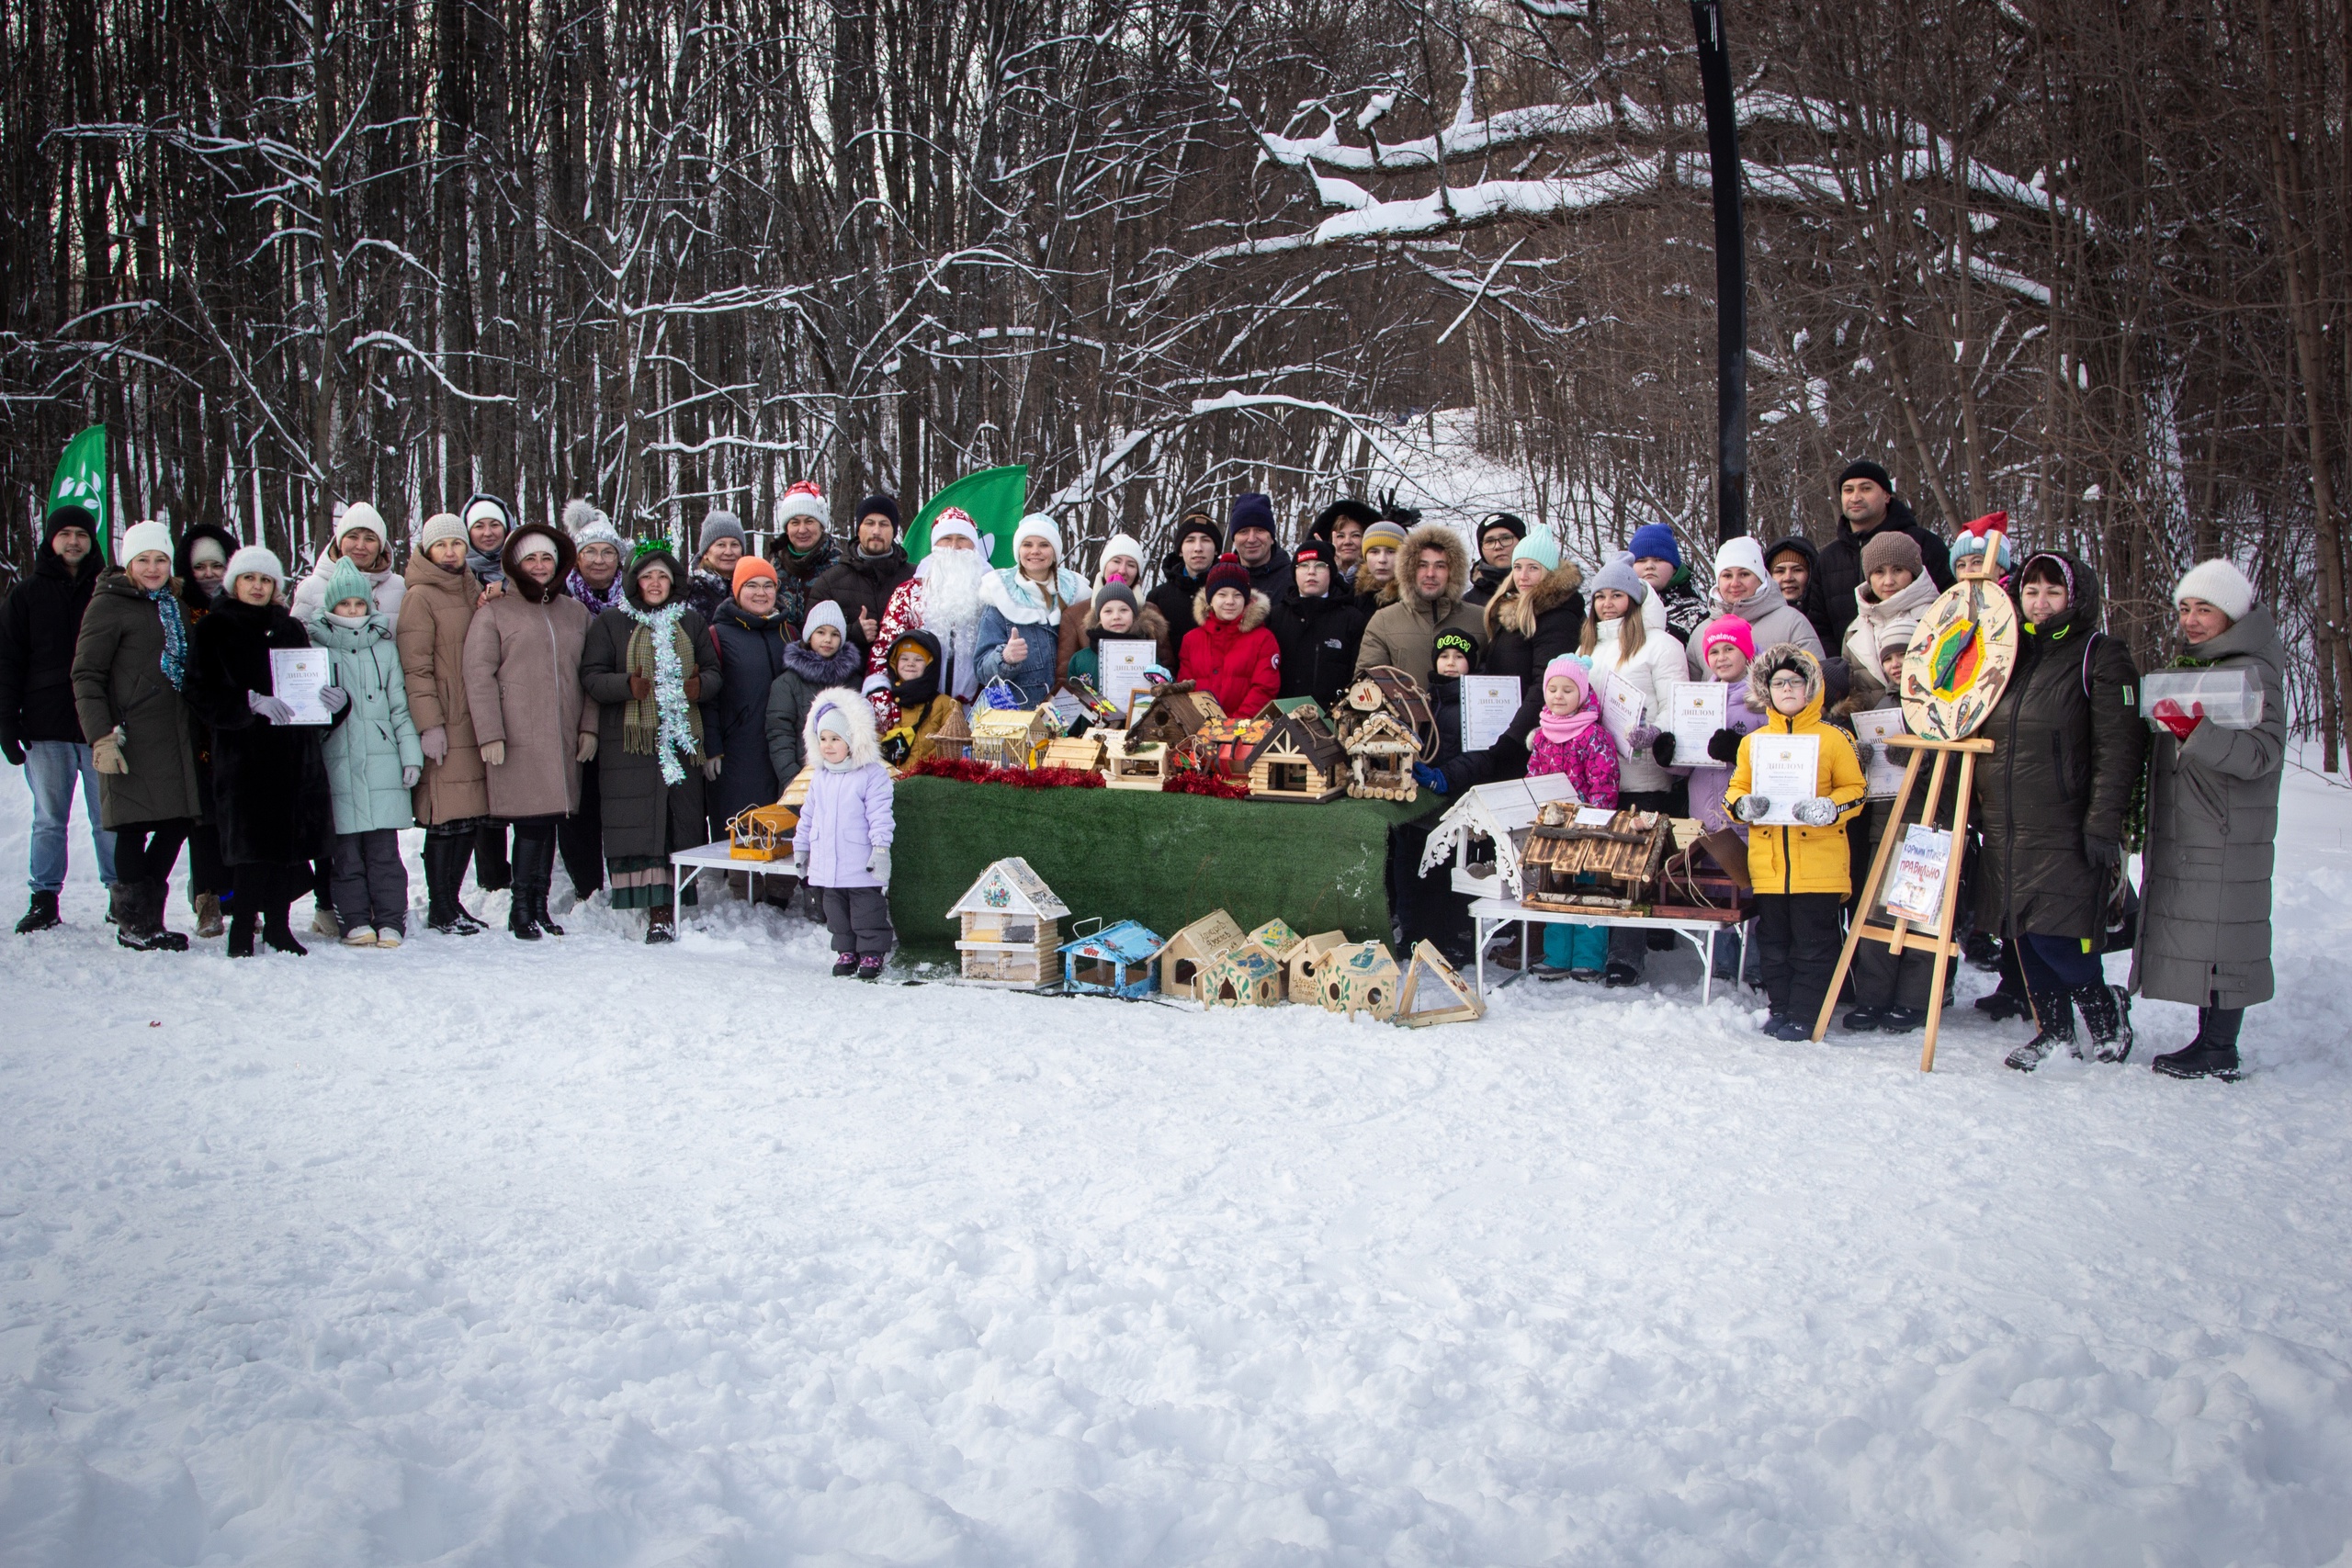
x=1432, y=992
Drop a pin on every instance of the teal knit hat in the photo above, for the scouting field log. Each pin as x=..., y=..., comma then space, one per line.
x=345, y=581
x=1540, y=548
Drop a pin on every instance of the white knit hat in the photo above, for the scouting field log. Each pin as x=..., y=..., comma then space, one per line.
x=587, y=525
x=256, y=560
x=1117, y=544
x=824, y=612
x=1745, y=553
x=140, y=538
x=358, y=515
x=2217, y=581
x=1037, y=525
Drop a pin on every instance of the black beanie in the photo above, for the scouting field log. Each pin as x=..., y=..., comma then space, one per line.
x=1504, y=520
x=1198, y=523
x=1315, y=547
x=888, y=505
x=1863, y=468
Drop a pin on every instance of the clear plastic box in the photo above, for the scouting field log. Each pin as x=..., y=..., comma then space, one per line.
x=2231, y=698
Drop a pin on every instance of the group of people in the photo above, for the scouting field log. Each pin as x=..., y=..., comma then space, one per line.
x=530, y=692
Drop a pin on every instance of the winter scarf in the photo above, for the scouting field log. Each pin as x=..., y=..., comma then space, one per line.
x=487, y=569
x=1564, y=729
x=662, y=721
x=598, y=602
x=167, y=608
x=1019, y=599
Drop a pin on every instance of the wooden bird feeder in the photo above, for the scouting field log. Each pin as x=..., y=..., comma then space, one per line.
x=1011, y=926
x=1381, y=754
x=1132, y=767
x=761, y=832
x=1569, y=864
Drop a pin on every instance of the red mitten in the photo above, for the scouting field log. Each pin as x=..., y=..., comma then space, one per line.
x=2182, y=725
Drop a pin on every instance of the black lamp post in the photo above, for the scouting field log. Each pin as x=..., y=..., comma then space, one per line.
x=1731, y=272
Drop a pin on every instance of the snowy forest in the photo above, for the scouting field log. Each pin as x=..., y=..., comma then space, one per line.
x=2087, y=263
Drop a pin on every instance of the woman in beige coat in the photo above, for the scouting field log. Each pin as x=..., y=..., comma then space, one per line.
x=452, y=799
x=530, y=719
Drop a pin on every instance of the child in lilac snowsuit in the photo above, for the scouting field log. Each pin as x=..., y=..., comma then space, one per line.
x=841, y=846
x=1568, y=738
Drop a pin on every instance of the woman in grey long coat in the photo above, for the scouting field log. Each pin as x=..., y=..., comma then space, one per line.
x=2213, y=829
x=648, y=666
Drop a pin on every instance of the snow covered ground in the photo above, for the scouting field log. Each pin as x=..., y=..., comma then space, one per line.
x=592, y=1255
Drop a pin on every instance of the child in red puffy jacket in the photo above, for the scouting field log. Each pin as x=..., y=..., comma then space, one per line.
x=1231, y=655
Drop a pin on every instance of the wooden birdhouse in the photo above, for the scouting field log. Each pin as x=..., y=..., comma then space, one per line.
x=1081, y=753
x=1248, y=976
x=1011, y=926
x=796, y=794
x=1191, y=951
x=1305, y=966
x=1126, y=766
x=1484, y=829
x=761, y=833
x=1082, y=708
x=1571, y=863
x=953, y=739
x=1177, y=709
x=1381, y=754
x=1298, y=759
x=1224, y=746
x=1434, y=992
x=1360, y=977
x=1120, y=960
x=1276, y=938
x=1011, y=737
x=1385, y=690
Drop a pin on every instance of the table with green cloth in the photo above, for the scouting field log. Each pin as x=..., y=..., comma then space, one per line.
x=1163, y=859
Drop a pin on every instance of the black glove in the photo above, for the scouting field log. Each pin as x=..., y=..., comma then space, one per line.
x=1662, y=749
x=1724, y=745
x=2106, y=855
x=12, y=748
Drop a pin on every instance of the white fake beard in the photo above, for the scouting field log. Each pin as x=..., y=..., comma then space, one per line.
x=951, y=592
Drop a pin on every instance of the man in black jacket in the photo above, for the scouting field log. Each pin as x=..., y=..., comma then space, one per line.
x=1317, y=624
x=863, y=579
x=1185, y=572
x=38, y=731
x=1866, y=504
x=1252, y=538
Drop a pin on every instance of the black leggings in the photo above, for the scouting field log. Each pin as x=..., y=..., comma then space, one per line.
x=146, y=852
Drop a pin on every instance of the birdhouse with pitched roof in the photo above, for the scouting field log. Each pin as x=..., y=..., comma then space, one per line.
x=1303, y=968
x=1080, y=753
x=1119, y=960
x=1140, y=765
x=1177, y=709
x=1011, y=737
x=1011, y=926
x=1381, y=754
x=1360, y=977
x=1248, y=976
x=1191, y=951
x=1297, y=758
x=1486, y=831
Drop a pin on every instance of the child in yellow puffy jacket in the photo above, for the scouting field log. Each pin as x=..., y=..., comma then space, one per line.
x=1802, y=871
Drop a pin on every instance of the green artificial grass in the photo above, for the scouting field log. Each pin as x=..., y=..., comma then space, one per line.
x=1165, y=859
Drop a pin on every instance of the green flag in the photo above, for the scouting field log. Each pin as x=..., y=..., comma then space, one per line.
x=993, y=497
x=80, y=481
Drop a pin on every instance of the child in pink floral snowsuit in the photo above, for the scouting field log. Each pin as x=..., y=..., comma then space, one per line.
x=1568, y=738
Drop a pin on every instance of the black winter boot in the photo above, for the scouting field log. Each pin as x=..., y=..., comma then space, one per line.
x=40, y=915
x=241, y=933
x=138, y=919
x=277, y=933
x=2056, y=1012
x=444, y=873
x=2213, y=1054
x=492, y=871
x=2106, y=1013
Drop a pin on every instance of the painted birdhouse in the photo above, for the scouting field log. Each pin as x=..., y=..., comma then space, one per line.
x=1298, y=759
x=1248, y=976
x=1224, y=747
x=1011, y=926
x=1434, y=992
x=1381, y=754
x=1011, y=737
x=761, y=833
x=1143, y=766
x=1177, y=709
x=1191, y=951
x=1119, y=960
x=1304, y=979
x=1276, y=937
x=1360, y=978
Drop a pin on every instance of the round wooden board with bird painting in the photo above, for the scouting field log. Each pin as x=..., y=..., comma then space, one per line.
x=1959, y=660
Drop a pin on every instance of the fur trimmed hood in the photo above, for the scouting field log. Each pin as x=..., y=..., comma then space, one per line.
x=856, y=720
x=1432, y=536
x=1253, y=614
x=1508, y=609
x=805, y=661
x=1772, y=661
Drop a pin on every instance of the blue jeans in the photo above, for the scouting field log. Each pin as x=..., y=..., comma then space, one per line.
x=50, y=768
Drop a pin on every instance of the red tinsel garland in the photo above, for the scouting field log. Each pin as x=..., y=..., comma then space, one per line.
x=964, y=770
x=1205, y=784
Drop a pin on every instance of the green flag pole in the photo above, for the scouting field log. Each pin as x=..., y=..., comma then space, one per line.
x=80, y=482
x=993, y=498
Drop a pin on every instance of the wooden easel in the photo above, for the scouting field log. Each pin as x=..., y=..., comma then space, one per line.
x=1903, y=934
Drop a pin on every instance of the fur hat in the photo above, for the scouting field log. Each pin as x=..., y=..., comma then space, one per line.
x=1620, y=575
x=2217, y=581
x=802, y=499
x=1745, y=553
x=1229, y=572
x=345, y=581
x=439, y=526
x=1385, y=535
x=717, y=525
x=888, y=505
x=1655, y=541
x=1728, y=628
x=1541, y=549
x=749, y=568
x=1890, y=547
x=837, y=710
x=1348, y=509
x=1780, y=657
x=256, y=560
x=142, y=537
x=1863, y=468
x=1037, y=525
x=824, y=612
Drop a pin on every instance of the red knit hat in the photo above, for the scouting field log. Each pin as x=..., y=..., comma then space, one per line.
x=1229, y=572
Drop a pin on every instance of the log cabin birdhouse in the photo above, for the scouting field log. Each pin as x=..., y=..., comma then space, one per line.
x=1011, y=737
x=761, y=833
x=1247, y=976
x=1191, y=951
x=1011, y=926
x=1298, y=759
x=1305, y=966
x=1176, y=710
x=1139, y=766
x=1610, y=864
x=1120, y=960
x=1434, y=992
x=1381, y=754
x=1385, y=690
x=1360, y=977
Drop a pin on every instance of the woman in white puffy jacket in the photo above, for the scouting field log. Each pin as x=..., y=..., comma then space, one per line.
x=1628, y=648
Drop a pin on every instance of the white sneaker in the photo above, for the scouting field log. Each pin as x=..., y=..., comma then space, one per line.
x=360, y=937
x=323, y=923
x=387, y=937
